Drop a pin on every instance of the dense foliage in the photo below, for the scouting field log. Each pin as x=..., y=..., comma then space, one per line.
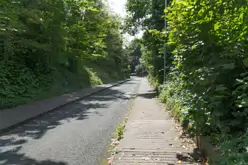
x=51, y=47
x=147, y=15
x=134, y=53
x=210, y=62
x=206, y=79
x=133, y=50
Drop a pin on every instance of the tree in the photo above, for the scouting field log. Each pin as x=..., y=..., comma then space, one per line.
x=57, y=46
x=134, y=53
x=148, y=16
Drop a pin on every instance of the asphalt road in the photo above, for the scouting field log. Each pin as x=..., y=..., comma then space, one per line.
x=78, y=134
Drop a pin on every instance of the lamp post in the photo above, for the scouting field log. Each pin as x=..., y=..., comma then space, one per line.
x=165, y=51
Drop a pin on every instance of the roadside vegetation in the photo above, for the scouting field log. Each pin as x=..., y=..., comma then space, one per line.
x=120, y=132
x=52, y=47
x=134, y=51
x=48, y=48
x=206, y=84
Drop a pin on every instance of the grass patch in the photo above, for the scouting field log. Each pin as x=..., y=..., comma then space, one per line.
x=120, y=132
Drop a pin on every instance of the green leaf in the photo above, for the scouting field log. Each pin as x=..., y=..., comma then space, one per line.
x=216, y=26
x=221, y=88
x=245, y=62
x=228, y=66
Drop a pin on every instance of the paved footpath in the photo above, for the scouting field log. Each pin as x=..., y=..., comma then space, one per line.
x=152, y=136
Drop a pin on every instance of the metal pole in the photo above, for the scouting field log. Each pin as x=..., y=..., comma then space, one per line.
x=165, y=51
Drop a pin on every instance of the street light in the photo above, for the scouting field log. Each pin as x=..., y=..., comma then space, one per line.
x=165, y=51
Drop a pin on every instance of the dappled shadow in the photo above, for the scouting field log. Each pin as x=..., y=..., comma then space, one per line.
x=149, y=95
x=13, y=157
x=11, y=142
x=194, y=157
x=197, y=156
x=131, y=82
x=39, y=126
x=111, y=95
x=185, y=158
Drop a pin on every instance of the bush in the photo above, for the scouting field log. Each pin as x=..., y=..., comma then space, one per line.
x=207, y=84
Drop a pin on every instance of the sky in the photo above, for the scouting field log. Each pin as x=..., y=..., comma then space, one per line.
x=118, y=6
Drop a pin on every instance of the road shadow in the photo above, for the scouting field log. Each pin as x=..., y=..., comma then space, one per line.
x=149, y=95
x=11, y=142
x=12, y=157
x=38, y=127
x=111, y=95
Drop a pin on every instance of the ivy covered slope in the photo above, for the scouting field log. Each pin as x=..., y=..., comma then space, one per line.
x=207, y=67
x=52, y=47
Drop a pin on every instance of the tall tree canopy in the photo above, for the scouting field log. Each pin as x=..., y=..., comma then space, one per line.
x=147, y=15
x=57, y=46
x=134, y=53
